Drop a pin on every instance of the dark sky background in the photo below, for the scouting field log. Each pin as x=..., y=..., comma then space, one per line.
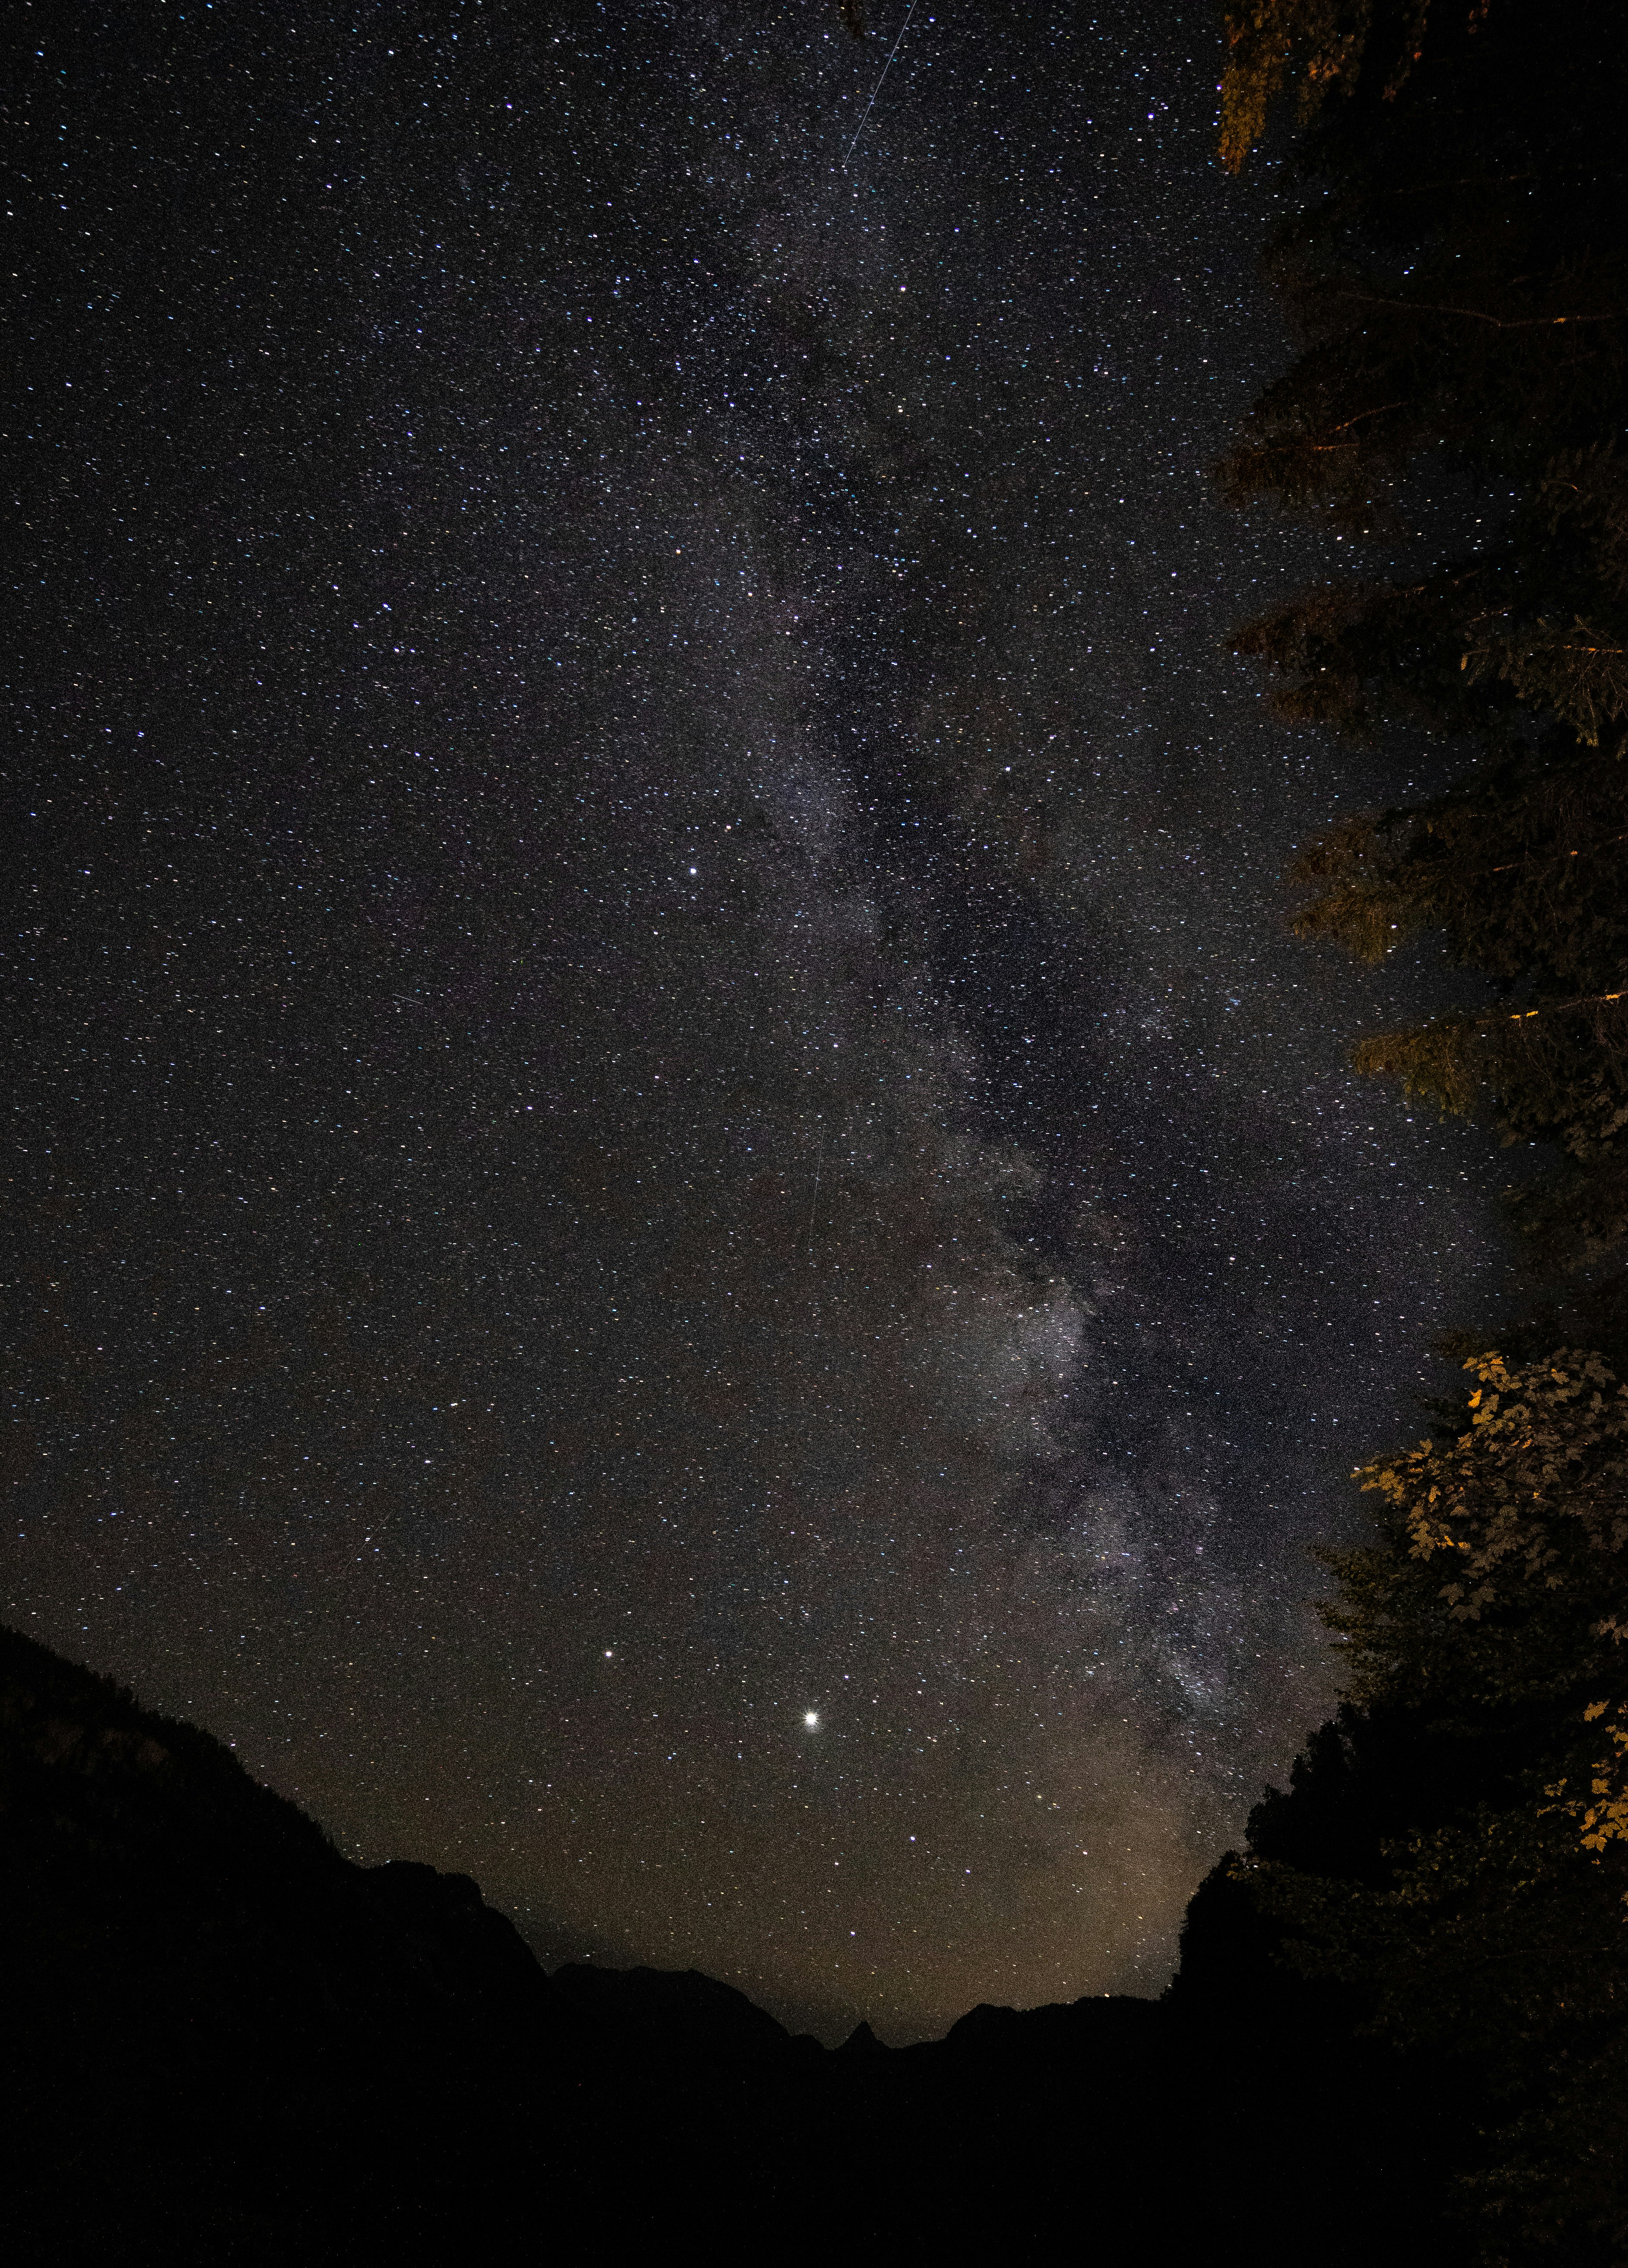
x=686, y=1235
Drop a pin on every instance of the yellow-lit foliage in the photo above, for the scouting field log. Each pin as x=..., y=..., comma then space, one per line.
x=1535, y=1493
x=1514, y=1533
x=1602, y=1815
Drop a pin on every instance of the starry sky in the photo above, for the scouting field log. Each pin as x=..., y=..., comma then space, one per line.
x=682, y=1231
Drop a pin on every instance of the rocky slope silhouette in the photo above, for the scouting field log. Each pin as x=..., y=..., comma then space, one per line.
x=227, y=2042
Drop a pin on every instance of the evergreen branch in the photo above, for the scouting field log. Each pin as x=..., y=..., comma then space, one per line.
x=1549, y=1007
x=1526, y=865
x=1484, y=182
x=1362, y=413
x=1325, y=448
x=1479, y=315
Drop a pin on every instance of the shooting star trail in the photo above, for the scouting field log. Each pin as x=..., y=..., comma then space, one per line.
x=814, y=1207
x=877, y=89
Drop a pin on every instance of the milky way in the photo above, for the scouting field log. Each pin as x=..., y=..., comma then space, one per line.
x=661, y=1089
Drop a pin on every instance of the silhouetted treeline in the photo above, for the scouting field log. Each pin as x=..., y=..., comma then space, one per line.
x=1451, y=1862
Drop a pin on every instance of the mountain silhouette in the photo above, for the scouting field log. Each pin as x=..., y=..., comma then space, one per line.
x=227, y=2042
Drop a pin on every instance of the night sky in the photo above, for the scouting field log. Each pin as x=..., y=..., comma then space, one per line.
x=682, y=1231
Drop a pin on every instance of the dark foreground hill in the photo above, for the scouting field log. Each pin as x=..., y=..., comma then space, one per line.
x=224, y=2042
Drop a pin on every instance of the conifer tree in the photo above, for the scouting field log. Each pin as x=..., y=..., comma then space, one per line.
x=1453, y=1851
x=1458, y=272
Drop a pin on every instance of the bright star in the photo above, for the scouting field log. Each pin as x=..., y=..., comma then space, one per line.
x=811, y=1718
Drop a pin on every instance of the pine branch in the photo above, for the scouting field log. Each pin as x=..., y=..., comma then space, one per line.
x=1527, y=865
x=1479, y=315
x=1548, y=1008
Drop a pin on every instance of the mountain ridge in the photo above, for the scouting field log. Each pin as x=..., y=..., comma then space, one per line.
x=229, y=2043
